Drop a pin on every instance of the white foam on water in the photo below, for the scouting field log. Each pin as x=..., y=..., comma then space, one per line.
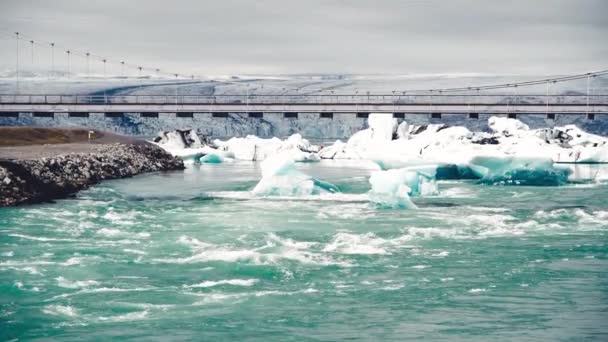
x=134, y=251
x=272, y=237
x=327, y=197
x=477, y=290
x=393, y=287
x=207, y=252
x=42, y=239
x=126, y=218
x=215, y=297
x=77, y=284
x=457, y=192
x=131, y=316
x=420, y=267
x=117, y=233
x=60, y=310
x=101, y=290
x=346, y=211
x=8, y=254
x=441, y=254
x=80, y=260
x=346, y=243
x=28, y=269
x=233, y=282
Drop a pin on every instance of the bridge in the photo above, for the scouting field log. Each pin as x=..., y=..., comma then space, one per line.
x=316, y=109
x=257, y=105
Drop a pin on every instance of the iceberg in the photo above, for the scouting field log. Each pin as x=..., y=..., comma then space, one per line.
x=188, y=146
x=281, y=178
x=254, y=148
x=216, y=157
x=397, y=146
x=185, y=144
x=508, y=170
x=394, y=188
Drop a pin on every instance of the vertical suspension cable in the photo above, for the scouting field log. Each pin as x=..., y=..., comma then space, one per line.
x=17, y=65
x=176, y=75
x=32, y=52
x=105, y=97
x=587, y=107
x=52, y=75
x=69, y=63
x=547, y=98
x=88, y=64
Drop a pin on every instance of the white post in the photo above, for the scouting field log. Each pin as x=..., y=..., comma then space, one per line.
x=122, y=68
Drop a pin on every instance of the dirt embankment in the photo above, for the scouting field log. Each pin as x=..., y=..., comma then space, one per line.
x=40, y=164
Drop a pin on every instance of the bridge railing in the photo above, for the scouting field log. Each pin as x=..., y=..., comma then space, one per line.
x=352, y=99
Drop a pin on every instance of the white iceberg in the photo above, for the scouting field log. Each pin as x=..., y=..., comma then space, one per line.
x=393, y=188
x=281, y=178
x=254, y=148
x=216, y=157
x=509, y=170
x=409, y=145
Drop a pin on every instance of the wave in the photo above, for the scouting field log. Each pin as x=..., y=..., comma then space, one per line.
x=233, y=282
x=62, y=282
x=60, y=310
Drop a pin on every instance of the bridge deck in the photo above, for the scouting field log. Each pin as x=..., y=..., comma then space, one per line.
x=568, y=104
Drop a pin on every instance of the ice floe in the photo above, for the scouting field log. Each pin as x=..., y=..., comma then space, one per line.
x=281, y=178
x=393, y=188
x=510, y=153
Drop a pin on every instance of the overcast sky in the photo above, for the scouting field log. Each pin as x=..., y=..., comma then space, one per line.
x=320, y=36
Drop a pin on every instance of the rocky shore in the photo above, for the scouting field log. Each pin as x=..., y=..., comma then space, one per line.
x=27, y=181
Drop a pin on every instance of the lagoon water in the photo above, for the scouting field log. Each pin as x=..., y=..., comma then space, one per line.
x=193, y=256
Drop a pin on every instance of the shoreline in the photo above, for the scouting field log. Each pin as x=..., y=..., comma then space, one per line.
x=39, y=173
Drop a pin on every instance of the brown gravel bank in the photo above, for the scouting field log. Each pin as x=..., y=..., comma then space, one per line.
x=40, y=173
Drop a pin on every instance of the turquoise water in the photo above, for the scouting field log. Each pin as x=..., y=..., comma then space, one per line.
x=192, y=256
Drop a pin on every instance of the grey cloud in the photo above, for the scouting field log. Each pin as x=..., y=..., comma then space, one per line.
x=325, y=36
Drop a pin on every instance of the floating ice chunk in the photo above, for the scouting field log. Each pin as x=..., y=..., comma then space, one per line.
x=506, y=126
x=254, y=148
x=403, y=130
x=179, y=139
x=217, y=157
x=510, y=170
x=212, y=158
x=281, y=178
x=184, y=144
x=393, y=188
x=382, y=126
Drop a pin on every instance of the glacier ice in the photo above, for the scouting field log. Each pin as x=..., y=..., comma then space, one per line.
x=281, y=178
x=394, y=188
x=444, y=145
x=510, y=153
x=509, y=170
x=213, y=158
x=254, y=148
